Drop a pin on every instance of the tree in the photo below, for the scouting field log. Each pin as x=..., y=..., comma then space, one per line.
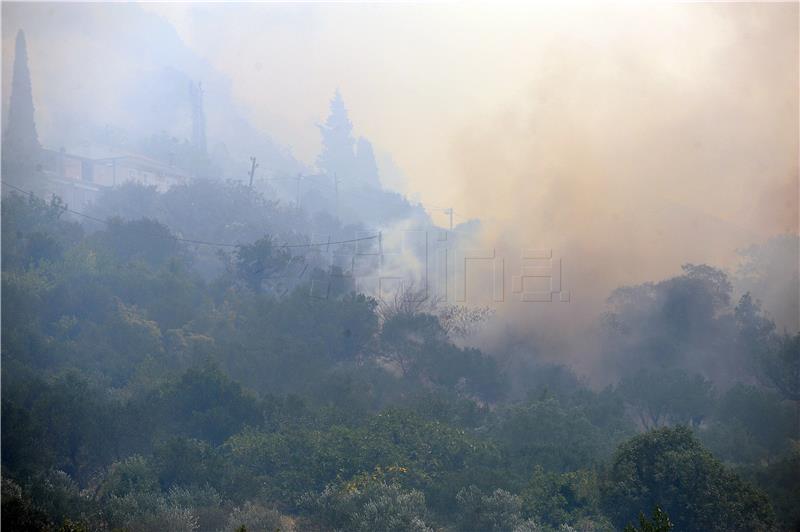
x=781, y=481
x=198, y=118
x=21, y=149
x=144, y=240
x=407, y=301
x=462, y=321
x=499, y=511
x=769, y=271
x=18, y=511
x=205, y=403
x=263, y=261
x=406, y=338
x=756, y=334
x=658, y=523
x=782, y=367
x=187, y=462
x=572, y=498
x=368, y=502
x=667, y=397
x=545, y=433
x=149, y=511
x=668, y=467
x=131, y=475
x=663, y=324
x=781, y=370
x=253, y=516
x=74, y=426
x=750, y=424
x=34, y=231
x=337, y=157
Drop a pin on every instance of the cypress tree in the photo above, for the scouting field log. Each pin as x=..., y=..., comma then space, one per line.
x=21, y=147
x=338, y=156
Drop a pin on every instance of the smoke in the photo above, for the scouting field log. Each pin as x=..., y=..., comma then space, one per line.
x=627, y=139
x=648, y=139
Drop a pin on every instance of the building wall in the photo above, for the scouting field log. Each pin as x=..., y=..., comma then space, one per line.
x=137, y=171
x=104, y=174
x=99, y=173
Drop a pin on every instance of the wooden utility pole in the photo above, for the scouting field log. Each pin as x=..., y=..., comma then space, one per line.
x=450, y=212
x=253, y=167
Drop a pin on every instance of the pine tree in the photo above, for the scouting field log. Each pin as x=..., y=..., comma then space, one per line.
x=21, y=149
x=198, y=118
x=337, y=155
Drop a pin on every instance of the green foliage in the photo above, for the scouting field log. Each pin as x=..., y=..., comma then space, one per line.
x=18, y=511
x=667, y=397
x=70, y=423
x=658, y=523
x=556, y=437
x=143, y=389
x=71, y=526
x=572, y=498
x=204, y=403
x=253, y=516
x=781, y=481
x=261, y=261
x=187, y=462
x=750, y=424
x=151, y=512
x=143, y=240
x=498, y=511
x=668, y=467
x=685, y=322
x=297, y=459
x=131, y=475
x=368, y=502
x=419, y=347
x=781, y=367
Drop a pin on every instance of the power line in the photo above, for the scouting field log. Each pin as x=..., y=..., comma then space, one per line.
x=371, y=237
x=200, y=242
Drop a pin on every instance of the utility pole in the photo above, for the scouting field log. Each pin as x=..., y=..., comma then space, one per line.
x=253, y=167
x=450, y=212
x=298, y=178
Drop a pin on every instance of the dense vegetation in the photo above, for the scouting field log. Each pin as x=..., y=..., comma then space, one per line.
x=143, y=389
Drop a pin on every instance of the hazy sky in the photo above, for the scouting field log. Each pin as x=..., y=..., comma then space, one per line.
x=631, y=138
x=696, y=102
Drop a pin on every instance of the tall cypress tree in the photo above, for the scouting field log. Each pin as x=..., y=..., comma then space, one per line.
x=21, y=147
x=337, y=155
x=198, y=118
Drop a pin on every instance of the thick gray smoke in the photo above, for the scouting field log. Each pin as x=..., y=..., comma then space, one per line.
x=634, y=155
